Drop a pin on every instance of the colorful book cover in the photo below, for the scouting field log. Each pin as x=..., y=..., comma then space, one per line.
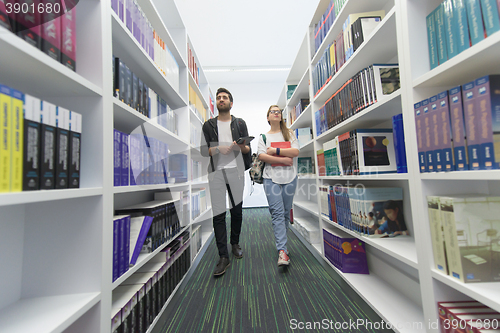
x=284, y=144
x=75, y=148
x=444, y=132
x=399, y=143
x=443, y=306
x=386, y=79
x=427, y=130
x=68, y=42
x=488, y=110
x=51, y=31
x=471, y=227
x=471, y=125
x=450, y=28
x=62, y=148
x=5, y=147
x=442, y=51
x=28, y=24
x=320, y=156
x=419, y=125
x=462, y=25
x=47, y=146
x=458, y=129
x=475, y=19
x=382, y=211
x=16, y=141
x=437, y=237
x=377, y=151
x=31, y=148
x=435, y=123
x=490, y=16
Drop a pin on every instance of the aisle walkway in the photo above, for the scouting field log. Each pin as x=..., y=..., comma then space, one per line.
x=254, y=295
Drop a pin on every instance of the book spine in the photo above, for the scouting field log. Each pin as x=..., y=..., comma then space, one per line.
x=484, y=95
x=471, y=125
x=444, y=130
x=427, y=133
x=450, y=239
x=125, y=160
x=450, y=28
x=419, y=124
x=31, y=147
x=442, y=51
x=431, y=40
x=5, y=147
x=475, y=20
x=121, y=250
x=28, y=25
x=462, y=25
x=435, y=124
x=48, y=146
x=16, y=140
x=4, y=17
x=436, y=228
x=399, y=143
x=68, y=41
x=51, y=31
x=117, y=161
x=62, y=147
x=116, y=247
x=75, y=145
x=458, y=129
x=490, y=16
x=126, y=250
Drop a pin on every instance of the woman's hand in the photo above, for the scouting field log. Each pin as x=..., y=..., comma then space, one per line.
x=271, y=151
x=288, y=161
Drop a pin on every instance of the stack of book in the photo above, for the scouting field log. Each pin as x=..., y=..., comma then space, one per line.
x=458, y=129
x=356, y=28
x=298, y=109
x=130, y=13
x=465, y=233
x=41, y=144
x=456, y=25
x=346, y=253
x=196, y=103
x=368, y=86
x=467, y=316
x=193, y=66
x=326, y=21
x=304, y=135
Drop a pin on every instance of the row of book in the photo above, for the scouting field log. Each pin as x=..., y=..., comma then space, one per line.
x=142, y=160
x=193, y=66
x=346, y=253
x=356, y=28
x=459, y=129
x=370, y=85
x=467, y=316
x=41, y=144
x=130, y=13
x=455, y=25
x=198, y=202
x=140, y=299
x=298, y=109
x=50, y=28
x=134, y=92
x=305, y=165
x=369, y=211
x=196, y=103
x=359, y=152
x=326, y=21
x=303, y=135
x=465, y=232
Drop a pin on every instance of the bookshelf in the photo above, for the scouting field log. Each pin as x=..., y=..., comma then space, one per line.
x=57, y=244
x=401, y=269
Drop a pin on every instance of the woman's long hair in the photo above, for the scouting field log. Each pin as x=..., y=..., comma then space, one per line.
x=284, y=129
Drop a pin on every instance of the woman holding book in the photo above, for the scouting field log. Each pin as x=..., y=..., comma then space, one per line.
x=279, y=149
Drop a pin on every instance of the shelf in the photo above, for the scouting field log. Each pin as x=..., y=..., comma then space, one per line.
x=143, y=259
x=200, y=183
x=308, y=206
x=33, y=72
x=195, y=116
x=301, y=91
x=138, y=188
x=378, y=113
x=487, y=293
x=463, y=175
x=379, y=176
x=197, y=90
x=203, y=216
x=401, y=248
x=304, y=119
x=390, y=304
x=129, y=120
x=18, y=198
x=46, y=314
x=367, y=54
x=126, y=47
x=483, y=56
x=306, y=177
x=307, y=147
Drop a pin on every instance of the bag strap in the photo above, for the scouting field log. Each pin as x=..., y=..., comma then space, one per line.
x=264, y=137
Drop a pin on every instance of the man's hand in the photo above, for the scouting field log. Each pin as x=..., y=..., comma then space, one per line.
x=224, y=150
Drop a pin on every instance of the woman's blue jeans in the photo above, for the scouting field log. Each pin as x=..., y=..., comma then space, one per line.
x=280, y=200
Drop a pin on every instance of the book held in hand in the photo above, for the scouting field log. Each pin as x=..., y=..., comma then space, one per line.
x=283, y=144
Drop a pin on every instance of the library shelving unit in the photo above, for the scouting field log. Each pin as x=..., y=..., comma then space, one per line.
x=56, y=245
x=402, y=287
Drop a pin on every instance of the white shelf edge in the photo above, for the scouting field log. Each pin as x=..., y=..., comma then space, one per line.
x=202, y=216
x=302, y=82
x=143, y=259
x=378, y=243
x=139, y=188
x=16, y=198
x=197, y=89
x=308, y=206
x=199, y=183
x=305, y=113
x=195, y=115
x=51, y=314
x=462, y=175
x=382, y=176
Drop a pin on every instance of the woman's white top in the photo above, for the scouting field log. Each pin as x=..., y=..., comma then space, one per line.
x=278, y=174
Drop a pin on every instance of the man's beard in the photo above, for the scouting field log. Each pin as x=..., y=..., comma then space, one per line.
x=223, y=109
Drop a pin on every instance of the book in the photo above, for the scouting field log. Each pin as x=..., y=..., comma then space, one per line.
x=75, y=145
x=134, y=103
x=376, y=151
x=116, y=246
x=458, y=129
x=471, y=125
x=139, y=228
x=437, y=237
x=442, y=51
x=450, y=26
x=31, y=140
x=125, y=160
x=283, y=144
x=445, y=144
x=124, y=245
x=471, y=226
x=62, y=148
x=444, y=306
x=382, y=211
x=475, y=20
x=124, y=299
x=434, y=154
x=386, y=79
x=28, y=25
x=16, y=141
x=51, y=31
x=117, y=158
x=5, y=147
x=428, y=131
x=48, y=146
x=363, y=28
x=431, y=40
x=491, y=18
x=399, y=143
x=68, y=38
x=461, y=25
x=345, y=252
x=4, y=17
x=419, y=124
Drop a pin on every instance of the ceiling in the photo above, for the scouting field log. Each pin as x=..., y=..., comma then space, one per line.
x=246, y=41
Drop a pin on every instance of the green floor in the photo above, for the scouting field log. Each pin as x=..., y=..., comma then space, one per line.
x=255, y=295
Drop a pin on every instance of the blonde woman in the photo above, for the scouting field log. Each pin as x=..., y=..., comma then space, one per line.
x=280, y=181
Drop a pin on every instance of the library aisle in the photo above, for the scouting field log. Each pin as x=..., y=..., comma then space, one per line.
x=255, y=295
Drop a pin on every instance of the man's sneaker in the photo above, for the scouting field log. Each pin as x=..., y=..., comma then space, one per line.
x=238, y=253
x=221, y=266
x=283, y=258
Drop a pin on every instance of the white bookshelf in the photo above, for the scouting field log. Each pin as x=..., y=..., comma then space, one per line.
x=57, y=244
x=410, y=292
